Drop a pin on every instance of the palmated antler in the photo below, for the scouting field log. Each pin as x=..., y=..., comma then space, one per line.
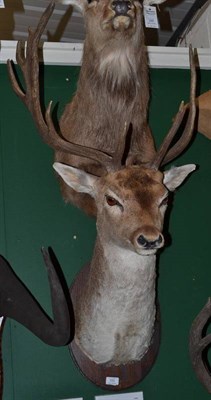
x=29, y=64
x=198, y=345
x=165, y=154
x=17, y=302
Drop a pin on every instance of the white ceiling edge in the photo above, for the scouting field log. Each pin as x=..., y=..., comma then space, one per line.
x=71, y=54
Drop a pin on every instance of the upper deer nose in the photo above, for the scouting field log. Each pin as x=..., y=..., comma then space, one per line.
x=121, y=7
x=150, y=244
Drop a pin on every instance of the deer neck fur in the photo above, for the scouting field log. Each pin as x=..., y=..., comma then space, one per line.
x=118, y=64
x=116, y=315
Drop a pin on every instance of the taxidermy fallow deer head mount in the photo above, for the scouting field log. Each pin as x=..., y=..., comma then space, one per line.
x=115, y=313
x=131, y=202
x=118, y=180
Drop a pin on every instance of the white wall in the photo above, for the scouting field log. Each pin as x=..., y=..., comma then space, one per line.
x=71, y=54
x=198, y=33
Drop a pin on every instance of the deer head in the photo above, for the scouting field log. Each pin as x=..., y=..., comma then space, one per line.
x=115, y=14
x=131, y=202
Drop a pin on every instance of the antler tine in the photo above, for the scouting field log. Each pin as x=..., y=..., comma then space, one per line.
x=183, y=142
x=116, y=162
x=169, y=137
x=58, y=143
x=163, y=156
x=20, y=60
x=29, y=65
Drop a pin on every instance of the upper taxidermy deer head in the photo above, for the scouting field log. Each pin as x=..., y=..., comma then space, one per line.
x=113, y=86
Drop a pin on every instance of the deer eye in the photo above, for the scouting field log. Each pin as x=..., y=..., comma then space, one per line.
x=111, y=201
x=164, y=202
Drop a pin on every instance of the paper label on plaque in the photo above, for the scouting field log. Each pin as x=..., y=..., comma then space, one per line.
x=111, y=380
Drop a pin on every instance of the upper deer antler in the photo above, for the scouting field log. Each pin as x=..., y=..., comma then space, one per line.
x=164, y=154
x=29, y=65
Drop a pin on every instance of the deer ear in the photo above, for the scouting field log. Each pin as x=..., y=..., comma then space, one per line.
x=176, y=175
x=79, y=4
x=77, y=179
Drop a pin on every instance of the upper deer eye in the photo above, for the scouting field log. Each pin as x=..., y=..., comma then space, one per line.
x=111, y=201
x=164, y=201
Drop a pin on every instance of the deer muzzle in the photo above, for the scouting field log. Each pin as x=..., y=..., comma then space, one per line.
x=148, y=239
x=121, y=7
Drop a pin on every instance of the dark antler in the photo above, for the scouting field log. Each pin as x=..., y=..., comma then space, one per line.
x=198, y=344
x=29, y=65
x=17, y=302
x=2, y=322
x=164, y=154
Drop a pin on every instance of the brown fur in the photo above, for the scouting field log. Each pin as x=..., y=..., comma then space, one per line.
x=113, y=88
x=114, y=315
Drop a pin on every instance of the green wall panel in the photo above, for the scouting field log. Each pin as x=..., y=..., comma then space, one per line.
x=33, y=214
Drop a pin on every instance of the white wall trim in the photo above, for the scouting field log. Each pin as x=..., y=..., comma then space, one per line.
x=71, y=54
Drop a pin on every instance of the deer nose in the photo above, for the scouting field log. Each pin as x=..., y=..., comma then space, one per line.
x=147, y=244
x=121, y=7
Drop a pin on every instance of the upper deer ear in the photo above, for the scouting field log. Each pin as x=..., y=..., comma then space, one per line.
x=80, y=4
x=176, y=175
x=77, y=179
x=151, y=2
